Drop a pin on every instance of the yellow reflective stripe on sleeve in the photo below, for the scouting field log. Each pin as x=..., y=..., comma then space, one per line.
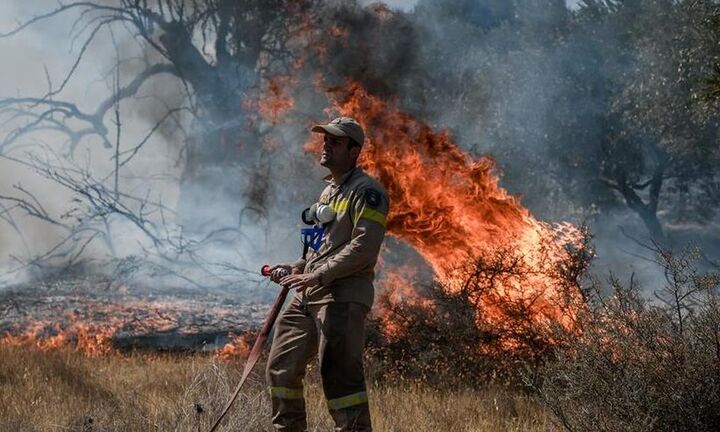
x=286, y=392
x=372, y=215
x=340, y=205
x=348, y=401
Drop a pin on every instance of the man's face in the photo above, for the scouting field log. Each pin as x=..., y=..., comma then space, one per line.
x=337, y=152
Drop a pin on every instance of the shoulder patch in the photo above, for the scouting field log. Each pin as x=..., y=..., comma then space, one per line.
x=372, y=197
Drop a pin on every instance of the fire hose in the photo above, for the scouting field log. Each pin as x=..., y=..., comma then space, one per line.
x=257, y=347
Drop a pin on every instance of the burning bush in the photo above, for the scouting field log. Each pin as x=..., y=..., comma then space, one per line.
x=641, y=365
x=497, y=321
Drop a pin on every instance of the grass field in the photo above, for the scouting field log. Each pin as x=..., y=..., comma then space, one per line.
x=64, y=391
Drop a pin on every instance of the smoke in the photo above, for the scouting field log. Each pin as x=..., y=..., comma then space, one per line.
x=486, y=70
x=202, y=228
x=403, y=5
x=495, y=73
x=41, y=56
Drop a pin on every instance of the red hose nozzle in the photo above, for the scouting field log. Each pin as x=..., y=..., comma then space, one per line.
x=265, y=270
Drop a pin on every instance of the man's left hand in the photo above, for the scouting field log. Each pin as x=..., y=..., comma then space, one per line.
x=300, y=282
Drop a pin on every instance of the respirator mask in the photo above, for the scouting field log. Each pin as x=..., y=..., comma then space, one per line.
x=318, y=214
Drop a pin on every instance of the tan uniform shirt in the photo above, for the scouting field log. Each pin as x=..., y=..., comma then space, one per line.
x=346, y=259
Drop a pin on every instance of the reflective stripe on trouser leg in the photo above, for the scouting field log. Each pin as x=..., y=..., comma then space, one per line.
x=294, y=344
x=286, y=392
x=348, y=401
x=342, y=342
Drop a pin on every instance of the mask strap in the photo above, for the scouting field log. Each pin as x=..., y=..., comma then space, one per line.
x=311, y=238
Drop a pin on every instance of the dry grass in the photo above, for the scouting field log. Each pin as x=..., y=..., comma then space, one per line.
x=63, y=391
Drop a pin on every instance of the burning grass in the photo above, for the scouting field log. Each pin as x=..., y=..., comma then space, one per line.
x=63, y=390
x=626, y=363
x=74, y=314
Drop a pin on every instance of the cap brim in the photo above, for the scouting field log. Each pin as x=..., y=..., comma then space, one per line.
x=329, y=129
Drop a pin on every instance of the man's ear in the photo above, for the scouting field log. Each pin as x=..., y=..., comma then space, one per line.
x=355, y=151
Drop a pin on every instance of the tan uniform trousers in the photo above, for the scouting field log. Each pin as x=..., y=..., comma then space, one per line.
x=335, y=331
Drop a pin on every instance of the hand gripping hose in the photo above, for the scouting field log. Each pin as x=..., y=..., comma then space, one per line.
x=257, y=347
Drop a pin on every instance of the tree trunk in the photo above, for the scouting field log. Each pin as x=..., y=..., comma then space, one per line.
x=653, y=226
x=646, y=211
x=221, y=178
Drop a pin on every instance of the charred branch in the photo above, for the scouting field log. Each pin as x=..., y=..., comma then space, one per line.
x=22, y=107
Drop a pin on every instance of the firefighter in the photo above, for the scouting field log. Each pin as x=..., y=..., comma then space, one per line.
x=334, y=291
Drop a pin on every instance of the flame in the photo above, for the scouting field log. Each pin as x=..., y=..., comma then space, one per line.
x=89, y=339
x=90, y=327
x=399, y=286
x=445, y=203
x=276, y=99
x=451, y=208
x=238, y=348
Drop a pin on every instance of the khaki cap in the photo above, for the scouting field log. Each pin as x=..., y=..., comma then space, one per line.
x=343, y=127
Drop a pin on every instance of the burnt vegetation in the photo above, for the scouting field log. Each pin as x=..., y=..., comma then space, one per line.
x=495, y=325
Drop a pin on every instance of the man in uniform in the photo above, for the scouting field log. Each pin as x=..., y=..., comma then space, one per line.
x=334, y=292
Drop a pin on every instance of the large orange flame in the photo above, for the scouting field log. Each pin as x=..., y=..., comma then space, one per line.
x=450, y=206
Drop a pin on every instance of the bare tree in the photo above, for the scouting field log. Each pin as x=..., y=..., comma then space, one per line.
x=221, y=50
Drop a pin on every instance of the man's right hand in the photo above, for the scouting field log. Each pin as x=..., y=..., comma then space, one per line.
x=279, y=271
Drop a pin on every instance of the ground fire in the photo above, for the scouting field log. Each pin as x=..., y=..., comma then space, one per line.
x=127, y=320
